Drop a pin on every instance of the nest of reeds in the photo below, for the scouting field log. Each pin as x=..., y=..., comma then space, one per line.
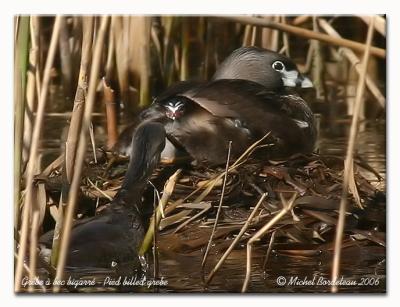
x=204, y=206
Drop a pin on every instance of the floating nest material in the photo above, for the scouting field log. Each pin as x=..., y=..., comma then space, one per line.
x=306, y=231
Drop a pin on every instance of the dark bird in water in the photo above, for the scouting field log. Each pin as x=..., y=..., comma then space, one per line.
x=247, y=97
x=115, y=234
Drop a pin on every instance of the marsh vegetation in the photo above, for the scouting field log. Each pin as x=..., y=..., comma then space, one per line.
x=80, y=79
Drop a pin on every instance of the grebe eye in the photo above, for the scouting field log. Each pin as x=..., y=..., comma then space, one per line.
x=278, y=66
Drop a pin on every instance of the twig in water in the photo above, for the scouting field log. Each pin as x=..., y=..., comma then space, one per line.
x=271, y=243
x=349, y=159
x=219, y=206
x=287, y=207
x=237, y=239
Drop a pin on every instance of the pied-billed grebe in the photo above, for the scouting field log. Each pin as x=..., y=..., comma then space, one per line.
x=115, y=234
x=246, y=99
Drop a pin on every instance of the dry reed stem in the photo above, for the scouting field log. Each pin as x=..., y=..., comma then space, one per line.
x=355, y=61
x=75, y=41
x=254, y=36
x=194, y=217
x=92, y=141
x=99, y=190
x=110, y=63
x=169, y=187
x=55, y=250
x=299, y=20
x=247, y=36
x=155, y=39
x=57, y=163
x=236, y=164
x=309, y=59
x=111, y=114
x=275, y=35
x=20, y=69
x=317, y=63
x=167, y=23
x=184, y=62
x=286, y=44
x=287, y=207
x=81, y=152
x=208, y=46
x=35, y=36
x=33, y=245
x=237, y=239
x=210, y=184
x=138, y=29
x=145, y=62
x=38, y=210
x=33, y=155
x=349, y=160
x=121, y=44
x=269, y=37
x=379, y=24
x=80, y=97
x=219, y=206
x=26, y=268
x=16, y=28
x=67, y=115
x=65, y=59
x=31, y=89
x=73, y=132
x=379, y=52
x=353, y=186
x=156, y=195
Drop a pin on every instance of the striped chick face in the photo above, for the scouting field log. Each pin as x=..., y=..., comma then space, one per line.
x=174, y=109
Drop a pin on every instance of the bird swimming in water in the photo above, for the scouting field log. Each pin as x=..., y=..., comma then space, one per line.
x=247, y=98
x=115, y=234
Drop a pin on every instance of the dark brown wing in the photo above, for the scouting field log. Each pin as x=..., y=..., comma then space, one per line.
x=226, y=98
x=259, y=110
